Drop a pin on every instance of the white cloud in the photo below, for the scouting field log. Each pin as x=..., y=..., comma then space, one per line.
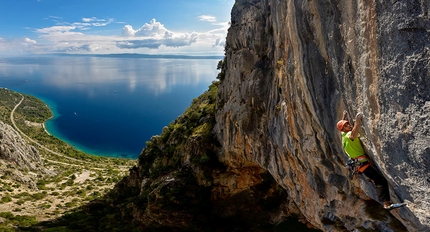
x=87, y=20
x=30, y=41
x=55, y=29
x=218, y=43
x=207, y=18
x=217, y=35
x=153, y=35
x=153, y=29
x=88, y=23
x=17, y=46
x=102, y=22
x=128, y=31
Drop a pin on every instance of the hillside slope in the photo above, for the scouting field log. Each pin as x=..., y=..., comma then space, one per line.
x=41, y=177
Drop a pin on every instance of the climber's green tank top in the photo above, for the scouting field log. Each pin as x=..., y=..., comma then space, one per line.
x=353, y=148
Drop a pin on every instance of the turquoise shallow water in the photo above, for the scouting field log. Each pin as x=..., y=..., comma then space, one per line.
x=110, y=106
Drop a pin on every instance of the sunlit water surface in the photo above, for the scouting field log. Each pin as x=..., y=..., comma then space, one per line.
x=107, y=105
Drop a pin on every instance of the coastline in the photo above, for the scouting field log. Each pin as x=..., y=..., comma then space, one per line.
x=44, y=128
x=51, y=130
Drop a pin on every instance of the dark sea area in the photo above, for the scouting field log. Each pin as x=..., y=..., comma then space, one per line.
x=110, y=105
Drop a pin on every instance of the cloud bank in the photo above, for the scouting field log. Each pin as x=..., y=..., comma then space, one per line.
x=88, y=36
x=153, y=35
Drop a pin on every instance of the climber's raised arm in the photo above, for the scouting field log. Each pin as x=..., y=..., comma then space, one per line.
x=356, y=128
x=345, y=113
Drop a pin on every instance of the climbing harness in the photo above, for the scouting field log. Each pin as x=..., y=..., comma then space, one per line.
x=357, y=165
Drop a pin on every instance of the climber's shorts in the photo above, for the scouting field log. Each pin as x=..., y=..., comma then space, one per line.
x=363, y=166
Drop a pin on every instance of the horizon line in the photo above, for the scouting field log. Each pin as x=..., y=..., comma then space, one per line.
x=127, y=55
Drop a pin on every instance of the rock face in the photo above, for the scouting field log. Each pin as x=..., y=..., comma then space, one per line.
x=292, y=67
x=18, y=156
x=13, y=148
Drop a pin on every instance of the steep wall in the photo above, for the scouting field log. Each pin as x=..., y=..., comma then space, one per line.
x=294, y=66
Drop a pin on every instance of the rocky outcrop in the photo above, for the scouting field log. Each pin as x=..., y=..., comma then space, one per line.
x=17, y=156
x=292, y=67
x=15, y=149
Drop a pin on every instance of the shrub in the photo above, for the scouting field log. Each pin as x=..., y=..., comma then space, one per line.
x=96, y=193
x=6, y=199
x=41, y=184
x=7, y=215
x=20, y=201
x=38, y=196
x=23, y=194
x=24, y=221
x=81, y=193
x=45, y=206
x=204, y=159
x=222, y=66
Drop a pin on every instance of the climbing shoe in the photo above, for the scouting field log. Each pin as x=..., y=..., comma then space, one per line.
x=394, y=206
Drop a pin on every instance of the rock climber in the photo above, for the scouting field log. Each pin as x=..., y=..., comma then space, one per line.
x=354, y=149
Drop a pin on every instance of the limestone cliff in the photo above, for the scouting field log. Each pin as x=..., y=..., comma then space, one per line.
x=292, y=67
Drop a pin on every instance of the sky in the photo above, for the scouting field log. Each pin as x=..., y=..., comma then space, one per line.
x=186, y=27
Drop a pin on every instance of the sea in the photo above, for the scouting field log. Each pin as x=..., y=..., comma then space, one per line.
x=110, y=105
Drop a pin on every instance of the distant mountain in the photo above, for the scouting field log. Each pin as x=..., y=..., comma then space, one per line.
x=136, y=55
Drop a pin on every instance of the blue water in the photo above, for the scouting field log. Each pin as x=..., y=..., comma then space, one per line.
x=109, y=105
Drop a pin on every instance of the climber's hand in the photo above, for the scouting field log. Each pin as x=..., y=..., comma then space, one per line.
x=345, y=113
x=359, y=116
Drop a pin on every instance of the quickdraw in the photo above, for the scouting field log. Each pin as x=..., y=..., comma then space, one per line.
x=357, y=165
x=351, y=164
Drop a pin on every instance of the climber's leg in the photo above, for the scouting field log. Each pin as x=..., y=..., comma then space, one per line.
x=380, y=183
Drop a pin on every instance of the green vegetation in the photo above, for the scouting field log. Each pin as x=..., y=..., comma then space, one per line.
x=222, y=66
x=16, y=220
x=34, y=110
x=8, y=100
x=166, y=152
x=6, y=199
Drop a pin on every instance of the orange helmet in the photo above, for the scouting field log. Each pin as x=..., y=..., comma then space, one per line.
x=341, y=124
